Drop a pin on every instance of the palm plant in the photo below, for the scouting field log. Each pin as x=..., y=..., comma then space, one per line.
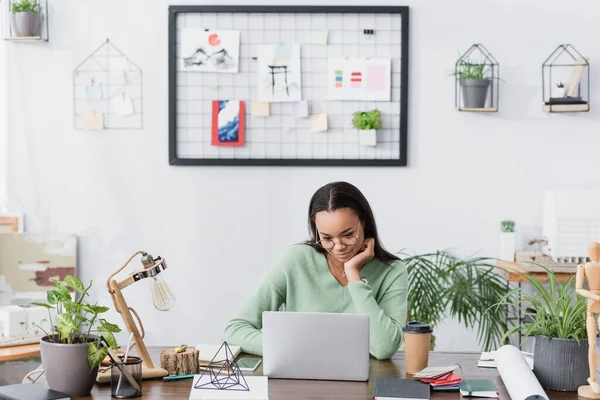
x=442, y=284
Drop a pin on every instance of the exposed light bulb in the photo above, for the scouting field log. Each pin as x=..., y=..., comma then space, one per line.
x=162, y=296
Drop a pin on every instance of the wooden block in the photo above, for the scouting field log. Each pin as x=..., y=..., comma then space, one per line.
x=478, y=109
x=566, y=107
x=183, y=363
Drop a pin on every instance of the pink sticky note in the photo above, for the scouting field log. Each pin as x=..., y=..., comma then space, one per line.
x=300, y=109
x=376, y=77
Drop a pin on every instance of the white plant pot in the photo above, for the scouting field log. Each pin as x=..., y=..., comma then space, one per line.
x=367, y=137
x=558, y=92
x=507, y=246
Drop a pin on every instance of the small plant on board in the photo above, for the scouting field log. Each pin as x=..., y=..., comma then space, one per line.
x=367, y=120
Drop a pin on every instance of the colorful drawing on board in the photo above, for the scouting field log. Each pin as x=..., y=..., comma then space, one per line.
x=228, y=123
x=29, y=262
x=210, y=51
x=339, y=78
x=355, y=79
x=279, y=80
x=359, y=79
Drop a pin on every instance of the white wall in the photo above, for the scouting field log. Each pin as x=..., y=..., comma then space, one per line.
x=219, y=228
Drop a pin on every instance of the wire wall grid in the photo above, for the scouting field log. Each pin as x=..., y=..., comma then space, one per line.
x=107, y=90
x=281, y=138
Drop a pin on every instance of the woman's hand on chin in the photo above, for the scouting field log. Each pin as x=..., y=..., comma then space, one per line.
x=353, y=266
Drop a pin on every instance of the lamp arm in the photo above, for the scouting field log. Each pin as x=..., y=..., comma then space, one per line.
x=143, y=334
x=110, y=290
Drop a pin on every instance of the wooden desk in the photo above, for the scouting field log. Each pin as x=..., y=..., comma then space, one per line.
x=281, y=389
x=512, y=272
x=19, y=352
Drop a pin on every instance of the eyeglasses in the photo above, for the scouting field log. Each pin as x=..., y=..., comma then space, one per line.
x=346, y=240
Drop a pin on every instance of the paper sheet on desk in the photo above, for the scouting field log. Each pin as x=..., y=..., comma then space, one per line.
x=258, y=385
x=487, y=359
x=518, y=378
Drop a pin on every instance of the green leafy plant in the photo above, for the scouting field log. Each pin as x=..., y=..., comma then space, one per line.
x=560, y=85
x=365, y=120
x=442, y=284
x=507, y=226
x=470, y=70
x=76, y=320
x=550, y=311
x=24, y=6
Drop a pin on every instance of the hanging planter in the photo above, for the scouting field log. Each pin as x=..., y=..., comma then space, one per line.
x=367, y=123
x=566, y=81
x=477, y=76
x=26, y=18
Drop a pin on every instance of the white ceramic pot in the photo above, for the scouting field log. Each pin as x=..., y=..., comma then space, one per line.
x=367, y=137
x=558, y=92
x=507, y=246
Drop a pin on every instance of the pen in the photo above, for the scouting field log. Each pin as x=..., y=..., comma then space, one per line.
x=175, y=377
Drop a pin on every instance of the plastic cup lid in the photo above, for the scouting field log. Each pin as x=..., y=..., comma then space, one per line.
x=418, y=327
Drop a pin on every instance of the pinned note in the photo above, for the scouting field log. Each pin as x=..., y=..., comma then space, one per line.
x=318, y=122
x=260, y=108
x=93, y=91
x=93, y=121
x=123, y=105
x=320, y=36
x=300, y=109
x=283, y=52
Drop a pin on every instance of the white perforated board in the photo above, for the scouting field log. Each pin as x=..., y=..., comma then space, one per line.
x=282, y=139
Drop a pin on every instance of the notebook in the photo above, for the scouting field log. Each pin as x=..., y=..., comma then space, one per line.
x=396, y=388
x=478, y=388
x=435, y=372
x=28, y=391
x=208, y=351
x=258, y=385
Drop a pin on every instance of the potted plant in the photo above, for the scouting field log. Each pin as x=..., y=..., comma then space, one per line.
x=559, y=90
x=475, y=81
x=367, y=123
x=73, y=350
x=26, y=18
x=507, y=240
x=555, y=316
x=443, y=285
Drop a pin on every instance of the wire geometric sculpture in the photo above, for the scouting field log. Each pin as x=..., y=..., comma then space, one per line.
x=566, y=84
x=475, y=79
x=233, y=380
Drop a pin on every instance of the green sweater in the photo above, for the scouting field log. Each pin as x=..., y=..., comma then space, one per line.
x=300, y=281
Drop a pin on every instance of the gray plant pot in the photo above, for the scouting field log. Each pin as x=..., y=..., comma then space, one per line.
x=475, y=92
x=26, y=24
x=561, y=364
x=66, y=367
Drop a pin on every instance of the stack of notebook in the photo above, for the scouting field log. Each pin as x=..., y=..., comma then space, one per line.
x=440, y=378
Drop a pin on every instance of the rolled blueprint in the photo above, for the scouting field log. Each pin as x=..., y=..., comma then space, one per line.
x=518, y=378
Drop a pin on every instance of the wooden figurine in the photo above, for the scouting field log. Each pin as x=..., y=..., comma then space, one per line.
x=591, y=271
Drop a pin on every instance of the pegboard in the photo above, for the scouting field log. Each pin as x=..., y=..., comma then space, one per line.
x=281, y=138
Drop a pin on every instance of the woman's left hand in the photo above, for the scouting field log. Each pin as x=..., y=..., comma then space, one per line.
x=353, y=266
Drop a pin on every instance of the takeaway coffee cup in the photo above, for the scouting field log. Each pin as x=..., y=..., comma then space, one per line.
x=417, y=337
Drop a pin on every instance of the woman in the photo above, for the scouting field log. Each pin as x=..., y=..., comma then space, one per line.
x=343, y=268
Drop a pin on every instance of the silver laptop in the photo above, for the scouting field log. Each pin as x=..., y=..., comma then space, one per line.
x=328, y=346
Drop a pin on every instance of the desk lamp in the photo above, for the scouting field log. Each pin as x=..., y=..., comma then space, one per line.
x=162, y=297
